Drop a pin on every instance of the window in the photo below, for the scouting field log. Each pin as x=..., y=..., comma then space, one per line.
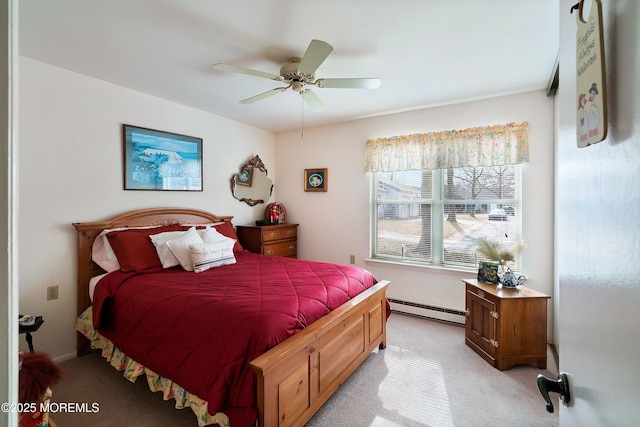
x=436, y=217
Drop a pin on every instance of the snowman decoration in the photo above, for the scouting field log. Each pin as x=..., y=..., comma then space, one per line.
x=583, y=118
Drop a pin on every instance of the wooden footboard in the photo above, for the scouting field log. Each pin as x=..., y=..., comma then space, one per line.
x=296, y=377
x=299, y=375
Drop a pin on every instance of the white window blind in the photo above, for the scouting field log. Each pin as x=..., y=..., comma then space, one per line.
x=436, y=217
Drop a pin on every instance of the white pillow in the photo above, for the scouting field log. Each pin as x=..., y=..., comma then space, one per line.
x=180, y=247
x=211, y=235
x=209, y=255
x=167, y=258
x=102, y=253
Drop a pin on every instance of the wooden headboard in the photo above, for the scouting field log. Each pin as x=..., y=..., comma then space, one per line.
x=88, y=231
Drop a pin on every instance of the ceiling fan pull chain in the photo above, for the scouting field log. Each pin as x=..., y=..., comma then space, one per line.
x=302, y=117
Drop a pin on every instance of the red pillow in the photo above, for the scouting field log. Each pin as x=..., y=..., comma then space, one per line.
x=134, y=248
x=226, y=229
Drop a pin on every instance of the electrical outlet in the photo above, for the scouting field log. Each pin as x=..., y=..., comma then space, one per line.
x=352, y=259
x=52, y=292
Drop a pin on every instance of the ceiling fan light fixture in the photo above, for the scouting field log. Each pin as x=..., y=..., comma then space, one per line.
x=300, y=72
x=297, y=86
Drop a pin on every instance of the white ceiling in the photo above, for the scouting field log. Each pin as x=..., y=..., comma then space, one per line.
x=427, y=52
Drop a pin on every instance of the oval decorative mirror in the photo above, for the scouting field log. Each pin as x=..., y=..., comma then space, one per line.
x=251, y=185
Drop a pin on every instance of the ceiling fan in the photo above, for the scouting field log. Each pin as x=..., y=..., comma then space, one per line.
x=298, y=74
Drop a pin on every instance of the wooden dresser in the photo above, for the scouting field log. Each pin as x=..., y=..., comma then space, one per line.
x=506, y=326
x=272, y=240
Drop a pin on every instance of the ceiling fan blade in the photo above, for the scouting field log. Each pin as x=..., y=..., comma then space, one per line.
x=263, y=95
x=243, y=70
x=366, y=83
x=313, y=100
x=315, y=55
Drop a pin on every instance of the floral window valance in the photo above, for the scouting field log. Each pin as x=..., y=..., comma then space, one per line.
x=480, y=146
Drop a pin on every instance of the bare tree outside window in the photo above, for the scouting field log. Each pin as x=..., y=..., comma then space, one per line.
x=436, y=217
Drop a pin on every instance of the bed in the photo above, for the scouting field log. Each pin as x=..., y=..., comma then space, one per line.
x=290, y=373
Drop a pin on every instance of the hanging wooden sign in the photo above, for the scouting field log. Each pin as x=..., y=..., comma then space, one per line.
x=591, y=80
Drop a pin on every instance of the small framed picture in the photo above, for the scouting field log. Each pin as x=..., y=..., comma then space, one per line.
x=315, y=179
x=245, y=177
x=488, y=272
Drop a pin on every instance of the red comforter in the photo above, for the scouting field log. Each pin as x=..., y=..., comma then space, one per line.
x=201, y=330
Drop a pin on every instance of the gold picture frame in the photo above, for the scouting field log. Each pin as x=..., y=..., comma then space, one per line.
x=245, y=177
x=315, y=179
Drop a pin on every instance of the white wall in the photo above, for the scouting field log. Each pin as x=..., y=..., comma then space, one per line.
x=70, y=170
x=335, y=224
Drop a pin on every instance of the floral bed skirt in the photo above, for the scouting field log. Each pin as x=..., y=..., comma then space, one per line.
x=132, y=370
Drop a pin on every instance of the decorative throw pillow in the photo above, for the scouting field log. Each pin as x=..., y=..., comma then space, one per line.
x=210, y=235
x=167, y=258
x=180, y=247
x=226, y=229
x=205, y=256
x=134, y=249
x=102, y=253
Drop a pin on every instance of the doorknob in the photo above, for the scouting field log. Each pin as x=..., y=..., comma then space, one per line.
x=561, y=386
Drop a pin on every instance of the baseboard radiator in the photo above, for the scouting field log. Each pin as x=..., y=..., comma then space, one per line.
x=428, y=311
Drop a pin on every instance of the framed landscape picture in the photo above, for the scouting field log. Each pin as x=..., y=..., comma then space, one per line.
x=163, y=161
x=315, y=179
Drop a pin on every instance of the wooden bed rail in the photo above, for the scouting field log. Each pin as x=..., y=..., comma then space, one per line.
x=299, y=375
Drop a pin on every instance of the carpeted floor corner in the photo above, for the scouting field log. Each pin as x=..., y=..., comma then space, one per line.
x=426, y=376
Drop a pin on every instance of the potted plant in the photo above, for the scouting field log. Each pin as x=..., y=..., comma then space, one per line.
x=491, y=250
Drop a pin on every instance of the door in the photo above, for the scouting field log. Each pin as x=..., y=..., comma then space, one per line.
x=597, y=250
x=481, y=324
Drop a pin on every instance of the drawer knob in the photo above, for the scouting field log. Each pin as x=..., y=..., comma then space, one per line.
x=292, y=248
x=272, y=234
x=290, y=232
x=269, y=252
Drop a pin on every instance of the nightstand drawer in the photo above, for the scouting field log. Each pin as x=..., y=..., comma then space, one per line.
x=279, y=234
x=287, y=249
x=270, y=240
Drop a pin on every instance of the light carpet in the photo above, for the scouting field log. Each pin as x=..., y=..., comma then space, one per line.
x=426, y=376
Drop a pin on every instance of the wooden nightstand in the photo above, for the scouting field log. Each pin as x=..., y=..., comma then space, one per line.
x=272, y=240
x=506, y=326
